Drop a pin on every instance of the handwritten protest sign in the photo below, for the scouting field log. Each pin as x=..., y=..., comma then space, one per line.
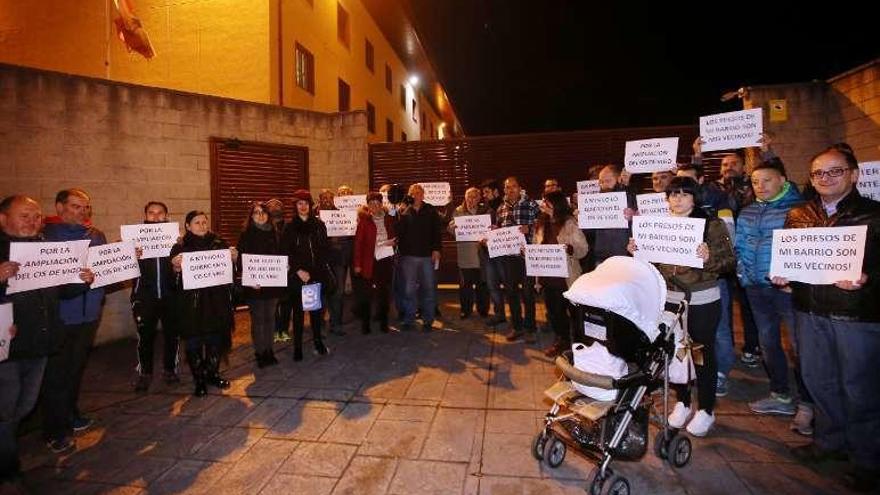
x=112, y=263
x=732, y=130
x=602, y=211
x=650, y=155
x=652, y=204
x=437, y=193
x=340, y=223
x=6, y=322
x=471, y=227
x=587, y=186
x=869, y=180
x=670, y=240
x=206, y=269
x=821, y=256
x=350, y=202
x=154, y=239
x=505, y=241
x=263, y=270
x=546, y=260
x=46, y=264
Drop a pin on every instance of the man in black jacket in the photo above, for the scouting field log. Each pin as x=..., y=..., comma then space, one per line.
x=838, y=327
x=152, y=300
x=418, y=241
x=36, y=331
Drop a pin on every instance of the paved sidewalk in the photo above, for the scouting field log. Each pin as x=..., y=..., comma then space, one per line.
x=453, y=411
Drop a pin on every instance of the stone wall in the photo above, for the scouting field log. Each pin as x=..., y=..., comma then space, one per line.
x=128, y=144
x=845, y=108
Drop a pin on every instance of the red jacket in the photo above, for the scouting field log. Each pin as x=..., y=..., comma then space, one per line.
x=365, y=241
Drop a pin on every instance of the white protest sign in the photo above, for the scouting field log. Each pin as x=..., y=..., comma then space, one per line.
x=669, y=240
x=732, y=130
x=602, y=211
x=546, y=260
x=587, y=186
x=437, y=193
x=471, y=227
x=263, y=270
x=652, y=204
x=505, y=241
x=6, y=322
x=869, y=180
x=154, y=239
x=650, y=155
x=820, y=256
x=383, y=251
x=340, y=223
x=206, y=269
x=112, y=263
x=350, y=202
x=46, y=264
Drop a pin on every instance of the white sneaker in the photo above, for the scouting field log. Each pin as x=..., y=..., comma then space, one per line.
x=701, y=423
x=679, y=416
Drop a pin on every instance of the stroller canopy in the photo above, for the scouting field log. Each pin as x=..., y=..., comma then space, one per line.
x=629, y=287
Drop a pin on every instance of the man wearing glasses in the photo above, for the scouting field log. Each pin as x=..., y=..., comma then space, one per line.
x=839, y=326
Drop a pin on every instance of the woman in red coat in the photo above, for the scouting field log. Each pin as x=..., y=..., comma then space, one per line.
x=374, y=243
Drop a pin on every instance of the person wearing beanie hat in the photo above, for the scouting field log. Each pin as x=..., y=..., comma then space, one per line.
x=305, y=243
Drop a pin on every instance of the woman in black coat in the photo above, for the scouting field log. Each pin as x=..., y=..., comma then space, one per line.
x=306, y=245
x=259, y=238
x=206, y=314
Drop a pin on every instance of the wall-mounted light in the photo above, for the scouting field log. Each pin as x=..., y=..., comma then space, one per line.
x=414, y=80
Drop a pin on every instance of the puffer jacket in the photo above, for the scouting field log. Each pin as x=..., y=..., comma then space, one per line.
x=721, y=258
x=828, y=300
x=754, y=236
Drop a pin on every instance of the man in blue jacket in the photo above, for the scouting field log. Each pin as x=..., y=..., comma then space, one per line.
x=771, y=306
x=80, y=316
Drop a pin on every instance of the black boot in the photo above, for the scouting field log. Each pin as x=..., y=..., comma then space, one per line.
x=261, y=359
x=365, y=319
x=212, y=366
x=320, y=348
x=197, y=368
x=297, y=341
x=270, y=358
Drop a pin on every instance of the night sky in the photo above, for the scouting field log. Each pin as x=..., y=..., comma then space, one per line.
x=514, y=66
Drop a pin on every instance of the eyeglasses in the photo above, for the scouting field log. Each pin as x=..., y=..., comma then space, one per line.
x=831, y=172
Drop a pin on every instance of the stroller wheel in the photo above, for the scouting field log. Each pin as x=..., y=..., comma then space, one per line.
x=661, y=445
x=680, y=451
x=595, y=482
x=554, y=452
x=538, y=445
x=617, y=485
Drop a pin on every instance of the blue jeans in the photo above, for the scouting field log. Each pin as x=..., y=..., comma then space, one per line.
x=772, y=307
x=493, y=273
x=839, y=364
x=417, y=274
x=724, y=353
x=19, y=388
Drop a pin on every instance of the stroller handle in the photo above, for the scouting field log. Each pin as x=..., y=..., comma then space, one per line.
x=583, y=377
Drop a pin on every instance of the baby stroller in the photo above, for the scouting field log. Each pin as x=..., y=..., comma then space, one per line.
x=620, y=304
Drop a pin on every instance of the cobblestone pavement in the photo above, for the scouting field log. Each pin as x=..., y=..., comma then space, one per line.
x=451, y=411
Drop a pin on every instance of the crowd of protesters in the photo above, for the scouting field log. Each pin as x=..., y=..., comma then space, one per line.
x=834, y=329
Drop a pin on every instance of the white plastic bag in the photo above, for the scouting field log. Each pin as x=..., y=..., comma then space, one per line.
x=597, y=360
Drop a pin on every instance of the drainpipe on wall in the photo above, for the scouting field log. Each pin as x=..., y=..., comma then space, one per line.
x=280, y=55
